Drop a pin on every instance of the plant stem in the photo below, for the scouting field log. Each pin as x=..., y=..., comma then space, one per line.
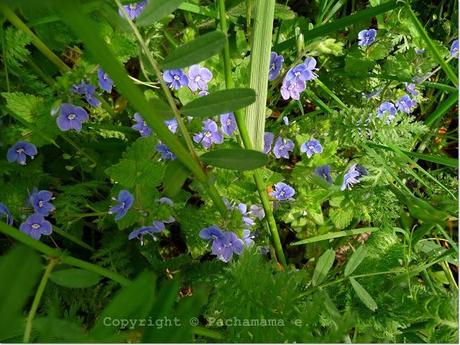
x=38, y=295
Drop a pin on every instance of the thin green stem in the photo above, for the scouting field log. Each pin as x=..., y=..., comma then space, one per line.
x=4, y=53
x=72, y=238
x=331, y=94
x=38, y=296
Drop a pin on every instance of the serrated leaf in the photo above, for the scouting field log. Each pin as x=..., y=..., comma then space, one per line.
x=363, y=295
x=75, y=278
x=323, y=267
x=156, y=10
x=283, y=12
x=341, y=217
x=235, y=159
x=220, y=102
x=355, y=260
x=195, y=51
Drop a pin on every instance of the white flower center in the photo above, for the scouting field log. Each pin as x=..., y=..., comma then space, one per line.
x=40, y=203
x=20, y=150
x=132, y=6
x=207, y=134
x=35, y=226
x=176, y=77
x=71, y=116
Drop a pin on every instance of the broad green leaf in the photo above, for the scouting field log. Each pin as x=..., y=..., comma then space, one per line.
x=235, y=159
x=174, y=179
x=195, y=51
x=75, y=278
x=156, y=10
x=363, y=295
x=355, y=260
x=220, y=102
x=323, y=266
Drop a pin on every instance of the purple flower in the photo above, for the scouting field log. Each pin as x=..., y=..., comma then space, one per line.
x=105, y=82
x=125, y=201
x=198, y=78
x=286, y=120
x=406, y=104
x=89, y=91
x=410, y=87
x=40, y=201
x=292, y=88
x=172, y=125
x=283, y=147
x=303, y=72
x=257, y=211
x=366, y=37
x=268, y=142
x=243, y=208
x=387, y=109
x=224, y=247
x=324, y=171
x=5, y=212
x=248, y=239
x=141, y=126
x=203, y=93
x=175, y=78
x=228, y=123
x=276, y=62
x=211, y=233
x=35, y=226
x=283, y=191
x=19, y=152
x=165, y=152
x=352, y=176
x=155, y=228
x=71, y=117
x=454, y=49
x=311, y=147
x=133, y=10
x=209, y=135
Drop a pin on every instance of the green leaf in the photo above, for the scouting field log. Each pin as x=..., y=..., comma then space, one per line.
x=195, y=51
x=75, y=278
x=220, y=102
x=341, y=217
x=175, y=176
x=332, y=235
x=156, y=10
x=235, y=159
x=323, y=266
x=283, y=12
x=355, y=260
x=363, y=295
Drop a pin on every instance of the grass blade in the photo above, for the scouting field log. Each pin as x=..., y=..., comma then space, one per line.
x=332, y=235
x=235, y=159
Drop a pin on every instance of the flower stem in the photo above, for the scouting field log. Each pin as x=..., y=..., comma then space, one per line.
x=38, y=295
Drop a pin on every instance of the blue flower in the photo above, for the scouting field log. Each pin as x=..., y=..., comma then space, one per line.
x=454, y=49
x=141, y=126
x=125, y=201
x=268, y=142
x=19, y=152
x=155, y=228
x=175, y=78
x=276, y=62
x=198, y=78
x=410, y=87
x=211, y=233
x=387, y=109
x=5, y=212
x=324, y=171
x=303, y=71
x=209, y=135
x=419, y=51
x=165, y=152
x=172, y=125
x=228, y=123
x=257, y=212
x=292, y=89
x=352, y=176
x=248, y=239
x=40, y=201
x=406, y=104
x=311, y=147
x=133, y=10
x=105, y=82
x=35, y=226
x=286, y=120
x=224, y=247
x=282, y=147
x=366, y=37
x=243, y=208
x=71, y=117
x=89, y=91
x=283, y=191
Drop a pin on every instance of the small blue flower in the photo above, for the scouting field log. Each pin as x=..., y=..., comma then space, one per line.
x=228, y=123
x=257, y=212
x=283, y=191
x=276, y=62
x=311, y=147
x=224, y=247
x=155, y=228
x=172, y=125
x=352, y=176
x=303, y=72
x=198, y=78
x=286, y=120
x=209, y=135
x=5, y=212
x=35, y=226
x=141, y=126
x=41, y=202
x=105, y=82
x=454, y=49
x=133, y=10
x=248, y=239
x=282, y=147
x=268, y=142
x=211, y=233
x=71, y=117
x=410, y=87
x=419, y=51
x=387, y=109
x=175, y=78
x=19, y=152
x=243, y=208
x=292, y=89
x=367, y=37
x=125, y=201
x=89, y=91
x=406, y=104
x=324, y=171
x=165, y=152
